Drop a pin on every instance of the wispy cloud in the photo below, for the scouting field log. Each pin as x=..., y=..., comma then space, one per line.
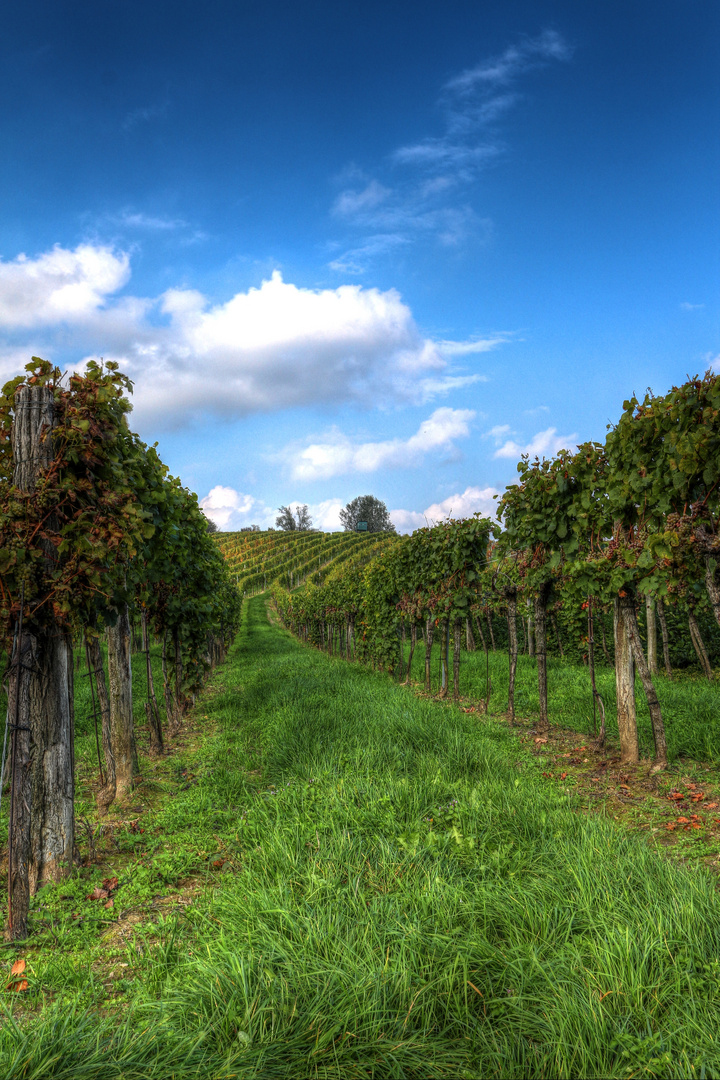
x=150, y=222
x=685, y=306
x=339, y=455
x=426, y=184
x=143, y=115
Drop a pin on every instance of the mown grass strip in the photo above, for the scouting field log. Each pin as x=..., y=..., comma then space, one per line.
x=399, y=898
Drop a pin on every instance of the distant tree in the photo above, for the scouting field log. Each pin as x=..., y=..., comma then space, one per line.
x=367, y=508
x=285, y=519
x=211, y=526
x=302, y=516
x=299, y=520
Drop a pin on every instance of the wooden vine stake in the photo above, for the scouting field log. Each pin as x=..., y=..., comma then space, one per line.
x=41, y=696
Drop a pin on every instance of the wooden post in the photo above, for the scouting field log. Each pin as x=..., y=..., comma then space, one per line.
x=444, y=657
x=511, y=597
x=121, y=704
x=21, y=670
x=699, y=645
x=651, y=634
x=456, y=657
x=429, y=631
x=44, y=778
x=625, y=688
x=151, y=705
x=106, y=796
x=627, y=606
x=541, y=653
x=665, y=640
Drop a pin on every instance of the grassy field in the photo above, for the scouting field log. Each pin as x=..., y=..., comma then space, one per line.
x=690, y=703
x=334, y=877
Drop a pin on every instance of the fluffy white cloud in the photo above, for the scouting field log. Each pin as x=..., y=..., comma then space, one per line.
x=271, y=347
x=230, y=509
x=340, y=455
x=544, y=444
x=469, y=502
x=59, y=286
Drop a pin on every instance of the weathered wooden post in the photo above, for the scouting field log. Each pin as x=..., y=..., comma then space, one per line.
x=625, y=687
x=121, y=705
x=41, y=699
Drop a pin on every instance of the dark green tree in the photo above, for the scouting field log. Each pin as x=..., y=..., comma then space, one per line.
x=285, y=519
x=367, y=508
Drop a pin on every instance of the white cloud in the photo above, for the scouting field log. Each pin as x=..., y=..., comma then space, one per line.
x=136, y=220
x=461, y=505
x=341, y=455
x=685, y=306
x=230, y=509
x=544, y=444
x=59, y=286
x=272, y=347
x=351, y=202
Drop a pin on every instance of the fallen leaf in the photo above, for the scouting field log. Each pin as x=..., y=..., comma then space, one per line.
x=18, y=967
x=670, y=825
x=219, y=863
x=625, y=786
x=563, y=776
x=711, y=806
x=109, y=904
x=683, y=820
x=97, y=894
x=541, y=739
x=19, y=987
x=110, y=883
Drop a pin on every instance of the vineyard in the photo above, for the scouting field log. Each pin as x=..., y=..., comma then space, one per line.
x=359, y=804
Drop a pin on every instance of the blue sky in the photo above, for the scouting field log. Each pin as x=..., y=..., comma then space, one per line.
x=349, y=248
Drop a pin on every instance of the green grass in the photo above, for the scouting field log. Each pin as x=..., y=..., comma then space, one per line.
x=690, y=703
x=398, y=897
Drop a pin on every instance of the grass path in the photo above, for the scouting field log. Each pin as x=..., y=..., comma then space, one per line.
x=379, y=888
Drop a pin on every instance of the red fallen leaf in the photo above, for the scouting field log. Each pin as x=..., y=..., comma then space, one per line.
x=626, y=786
x=698, y=796
x=691, y=786
x=563, y=776
x=670, y=825
x=18, y=967
x=18, y=987
x=676, y=795
x=696, y=825
x=541, y=739
x=711, y=806
x=683, y=820
x=109, y=904
x=97, y=894
x=110, y=883
x=219, y=863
